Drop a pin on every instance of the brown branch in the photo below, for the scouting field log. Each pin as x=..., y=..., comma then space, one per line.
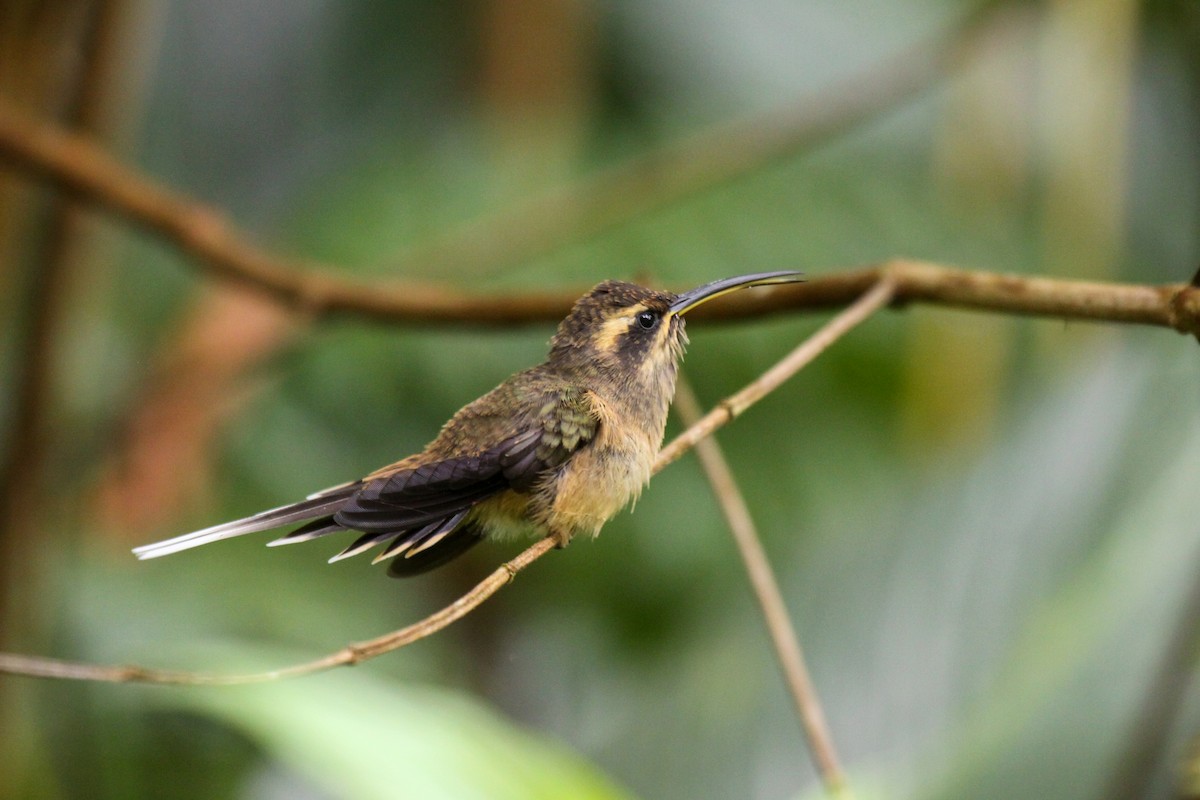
x=770, y=599
x=34, y=666
x=1175, y=306
x=79, y=167
x=542, y=225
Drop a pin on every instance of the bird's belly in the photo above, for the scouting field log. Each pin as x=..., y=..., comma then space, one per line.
x=504, y=516
x=598, y=482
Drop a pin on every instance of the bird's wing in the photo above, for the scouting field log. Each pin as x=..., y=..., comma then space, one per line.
x=421, y=509
x=413, y=495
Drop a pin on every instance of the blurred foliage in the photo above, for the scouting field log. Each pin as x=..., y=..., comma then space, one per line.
x=342, y=731
x=986, y=529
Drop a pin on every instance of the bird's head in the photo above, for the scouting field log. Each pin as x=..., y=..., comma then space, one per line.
x=636, y=331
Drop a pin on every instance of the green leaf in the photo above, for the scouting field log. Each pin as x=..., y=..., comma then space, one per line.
x=359, y=736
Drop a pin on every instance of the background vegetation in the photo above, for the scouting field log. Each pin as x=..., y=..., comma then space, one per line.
x=985, y=527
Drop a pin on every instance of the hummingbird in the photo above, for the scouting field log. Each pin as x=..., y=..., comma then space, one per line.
x=556, y=449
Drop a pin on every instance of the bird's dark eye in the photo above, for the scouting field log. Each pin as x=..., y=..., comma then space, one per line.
x=647, y=319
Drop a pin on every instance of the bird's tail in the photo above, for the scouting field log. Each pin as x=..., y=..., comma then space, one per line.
x=317, y=505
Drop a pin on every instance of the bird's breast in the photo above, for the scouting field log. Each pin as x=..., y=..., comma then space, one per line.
x=602, y=478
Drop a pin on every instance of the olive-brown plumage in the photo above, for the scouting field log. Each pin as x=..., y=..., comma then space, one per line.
x=556, y=449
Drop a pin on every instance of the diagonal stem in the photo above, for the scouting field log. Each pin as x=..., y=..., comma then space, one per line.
x=349, y=655
x=770, y=599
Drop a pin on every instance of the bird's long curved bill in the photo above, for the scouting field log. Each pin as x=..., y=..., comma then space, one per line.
x=702, y=294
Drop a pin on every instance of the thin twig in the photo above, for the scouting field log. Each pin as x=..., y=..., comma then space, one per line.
x=348, y=656
x=38, y=667
x=701, y=162
x=770, y=599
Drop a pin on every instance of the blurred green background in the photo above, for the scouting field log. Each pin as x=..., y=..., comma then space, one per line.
x=987, y=528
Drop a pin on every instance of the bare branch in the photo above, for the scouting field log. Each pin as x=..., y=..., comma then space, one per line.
x=571, y=214
x=86, y=171
x=348, y=656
